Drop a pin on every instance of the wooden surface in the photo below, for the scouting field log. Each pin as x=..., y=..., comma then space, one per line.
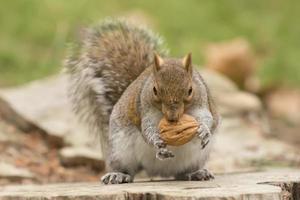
x=278, y=184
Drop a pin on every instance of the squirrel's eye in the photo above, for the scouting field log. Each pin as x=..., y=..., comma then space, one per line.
x=190, y=91
x=154, y=91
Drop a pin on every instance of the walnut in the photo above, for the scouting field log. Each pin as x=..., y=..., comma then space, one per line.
x=179, y=133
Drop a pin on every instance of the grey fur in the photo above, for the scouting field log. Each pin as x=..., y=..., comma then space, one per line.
x=107, y=59
x=111, y=88
x=199, y=175
x=134, y=147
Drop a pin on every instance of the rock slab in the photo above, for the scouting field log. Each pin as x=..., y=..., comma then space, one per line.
x=275, y=184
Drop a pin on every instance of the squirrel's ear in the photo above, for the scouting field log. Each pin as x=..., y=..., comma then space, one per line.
x=187, y=63
x=158, y=62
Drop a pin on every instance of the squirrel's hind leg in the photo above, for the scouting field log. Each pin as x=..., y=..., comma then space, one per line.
x=119, y=174
x=199, y=175
x=121, y=161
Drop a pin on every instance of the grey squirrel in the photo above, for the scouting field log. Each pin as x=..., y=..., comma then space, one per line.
x=122, y=84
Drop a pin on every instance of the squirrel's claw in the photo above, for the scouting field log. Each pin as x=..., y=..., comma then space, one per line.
x=116, y=178
x=204, y=134
x=201, y=175
x=163, y=154
x=160, y=144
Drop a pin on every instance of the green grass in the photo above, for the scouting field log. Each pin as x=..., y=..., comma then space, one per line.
x=34, y=33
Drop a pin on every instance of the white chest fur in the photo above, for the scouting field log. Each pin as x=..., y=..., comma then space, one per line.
x=135, y=152
x=186, y=156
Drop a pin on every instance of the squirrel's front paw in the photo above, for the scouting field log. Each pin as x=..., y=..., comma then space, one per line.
x=164, y=153
x=159, y=143
x=204, y=134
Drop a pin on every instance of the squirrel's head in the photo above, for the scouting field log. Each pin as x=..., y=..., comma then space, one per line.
x=173, y=86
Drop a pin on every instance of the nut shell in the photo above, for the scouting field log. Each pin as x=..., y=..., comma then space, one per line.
x=179, y=133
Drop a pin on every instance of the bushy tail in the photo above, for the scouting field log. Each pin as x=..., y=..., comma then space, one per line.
x=109, y=57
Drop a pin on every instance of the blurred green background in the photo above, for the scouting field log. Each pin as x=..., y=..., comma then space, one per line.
x=34, y=33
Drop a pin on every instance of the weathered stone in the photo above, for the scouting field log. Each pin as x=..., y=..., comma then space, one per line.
x=74, y=156
x=284, y=103
x=260, y=185
x=11, y=172
x=240, y=142
x=240, y=147
x=8, y=114
x=229, y=99
x=12, y=136
x=45, y=103
x=234, y=103
x=234, y=59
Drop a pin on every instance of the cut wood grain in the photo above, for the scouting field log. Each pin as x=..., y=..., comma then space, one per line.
x=278, y=184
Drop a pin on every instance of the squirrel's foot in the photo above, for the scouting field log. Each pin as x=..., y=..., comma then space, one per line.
x=204, y=134
x=164, y=153
x=200, y=175
x=116, y=178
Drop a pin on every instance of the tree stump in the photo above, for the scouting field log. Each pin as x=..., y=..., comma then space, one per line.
x=275, y=184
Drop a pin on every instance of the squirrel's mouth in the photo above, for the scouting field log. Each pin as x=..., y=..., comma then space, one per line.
x=173, y=118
